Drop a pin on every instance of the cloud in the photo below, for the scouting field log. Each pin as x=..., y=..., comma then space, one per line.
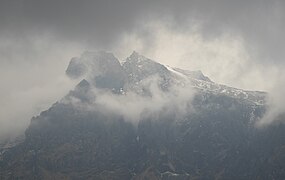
x=224, y=59
x=134, y=107
x=239, y=43
x=276, y=110
x=32, y=78
x=101, y=23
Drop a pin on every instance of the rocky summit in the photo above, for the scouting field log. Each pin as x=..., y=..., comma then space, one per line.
x=143, y=120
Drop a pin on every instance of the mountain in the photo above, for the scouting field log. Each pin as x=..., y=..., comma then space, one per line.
x=100, y=68
x=143, y=120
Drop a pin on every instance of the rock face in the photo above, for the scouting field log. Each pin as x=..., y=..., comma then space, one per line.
x=211, y=137
x=139, y=68
x=101, y=69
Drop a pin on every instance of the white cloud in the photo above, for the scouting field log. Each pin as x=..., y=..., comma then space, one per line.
x=224, y=59
x=32, y=77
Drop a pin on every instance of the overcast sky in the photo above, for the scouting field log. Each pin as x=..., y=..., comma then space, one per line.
x=238, y=43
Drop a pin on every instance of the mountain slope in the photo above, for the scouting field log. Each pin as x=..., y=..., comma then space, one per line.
x=180, y=125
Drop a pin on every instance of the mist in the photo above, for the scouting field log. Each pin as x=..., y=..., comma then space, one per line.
x=240, y=44
x=32, y=78
x=133, y=107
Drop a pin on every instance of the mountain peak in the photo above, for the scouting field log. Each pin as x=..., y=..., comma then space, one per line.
x=138, y=58
x=138, y=67
x=135, y=54
x=103, y=70
x=100, y=68
x=155, y=126
x=83, y=84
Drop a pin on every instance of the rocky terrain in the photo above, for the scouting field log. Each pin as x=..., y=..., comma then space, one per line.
x=142, y=120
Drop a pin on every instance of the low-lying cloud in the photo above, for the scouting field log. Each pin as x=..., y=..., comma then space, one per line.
x=276, y=109
x=32, y=78
x=238, y=43
x=225, y=59
x=133, y=106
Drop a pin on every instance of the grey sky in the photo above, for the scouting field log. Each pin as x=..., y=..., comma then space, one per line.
x=100, y=23
x=236, y=42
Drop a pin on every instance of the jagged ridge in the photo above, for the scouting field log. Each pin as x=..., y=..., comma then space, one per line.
x=105, y=71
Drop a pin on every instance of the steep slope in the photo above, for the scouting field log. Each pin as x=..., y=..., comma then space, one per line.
x=208, y=136
x=100, y=68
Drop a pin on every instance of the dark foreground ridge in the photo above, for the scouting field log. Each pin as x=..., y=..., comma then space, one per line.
x=214, y=137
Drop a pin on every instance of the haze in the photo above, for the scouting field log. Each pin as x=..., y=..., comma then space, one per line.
x=237, y=43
